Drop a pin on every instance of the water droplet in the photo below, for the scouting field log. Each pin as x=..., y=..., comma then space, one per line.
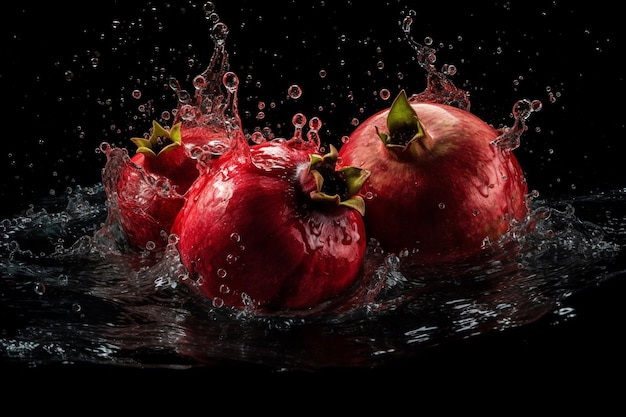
x=257, y=137
x=63, y=279
x=40, y=288
x=199, y=82
x=392, y=262
x=315, y=123
x=187, y=112
x=294, y=91
x=231, y=81
x=219, y=33
x=298, y=120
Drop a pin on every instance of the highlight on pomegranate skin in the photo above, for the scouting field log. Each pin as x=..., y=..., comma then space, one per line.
x=440, y=188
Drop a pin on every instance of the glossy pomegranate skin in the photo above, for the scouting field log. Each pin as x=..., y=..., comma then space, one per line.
x=250, y=235
x=451, y=199
x=151, y=188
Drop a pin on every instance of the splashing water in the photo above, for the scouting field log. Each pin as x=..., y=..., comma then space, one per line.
x=67, y=297
x=439, y=88
x=72, y=292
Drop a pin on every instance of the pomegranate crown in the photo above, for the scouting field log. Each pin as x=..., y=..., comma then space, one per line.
x=160, y=141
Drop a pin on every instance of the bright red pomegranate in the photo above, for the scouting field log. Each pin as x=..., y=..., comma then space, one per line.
x=150, y=187
x=441, y=186
x=278, y=228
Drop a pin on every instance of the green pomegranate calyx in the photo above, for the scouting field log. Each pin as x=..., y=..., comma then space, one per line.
x=160, y=141
x=406, y=136
x=337, y=186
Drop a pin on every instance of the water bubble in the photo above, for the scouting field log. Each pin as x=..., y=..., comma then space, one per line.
x=40, y=288
x=392, y=262
x=385, y=94
x=298, y=120
x=213, y=17
x=406, y=24
x=199, y=82
x=187, y=112
x=221, y=273
x=235, y=237
x=536, y=105
x=218, y=302
x=322, y=73
x=294, y=91
x=150, y=245
x=69, y=75
x=231, y=81
x=208, y=8
x=315, y=123
x=184, y=96
x=257, y=137
x=442, y=206
x=173, y=83
x=219, y=33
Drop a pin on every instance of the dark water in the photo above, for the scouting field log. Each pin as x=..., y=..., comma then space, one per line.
x=530, y=327
x=68, y=296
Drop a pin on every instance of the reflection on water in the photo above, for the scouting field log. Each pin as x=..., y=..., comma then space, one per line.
x=67, y=296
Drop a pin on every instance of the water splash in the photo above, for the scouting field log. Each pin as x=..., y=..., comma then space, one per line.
x=207, y=103
x=81, y=302
x=509, y=138
x=439, y=88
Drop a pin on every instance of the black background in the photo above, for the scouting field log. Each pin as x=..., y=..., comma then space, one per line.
x=504, y=51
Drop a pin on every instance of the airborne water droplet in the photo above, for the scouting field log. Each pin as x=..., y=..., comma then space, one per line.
x=294, y=91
